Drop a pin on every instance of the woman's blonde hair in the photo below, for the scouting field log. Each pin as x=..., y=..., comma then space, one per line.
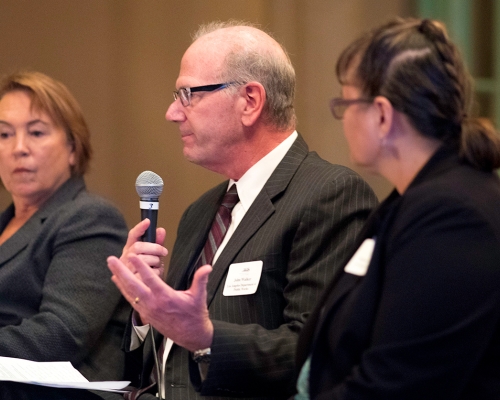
x=54, y=99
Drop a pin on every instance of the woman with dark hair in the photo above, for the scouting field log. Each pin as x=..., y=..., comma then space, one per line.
x=416, y=312
x=57, y=301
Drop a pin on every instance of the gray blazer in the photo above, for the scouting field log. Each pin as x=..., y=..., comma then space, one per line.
x=57, y=301
x=301, y=225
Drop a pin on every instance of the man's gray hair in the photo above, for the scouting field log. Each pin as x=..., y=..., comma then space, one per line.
x=247, y=62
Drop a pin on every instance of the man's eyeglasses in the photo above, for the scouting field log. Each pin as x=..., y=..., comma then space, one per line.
x=184, y=93
x=338, y=105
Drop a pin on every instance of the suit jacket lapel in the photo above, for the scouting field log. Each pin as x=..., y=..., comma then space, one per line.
x=21, y=238
x=342, y=283
x=194, y=240
x=261, y=209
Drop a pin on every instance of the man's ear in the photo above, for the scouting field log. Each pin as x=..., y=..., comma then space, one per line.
x=254, y=96
x=385, y=116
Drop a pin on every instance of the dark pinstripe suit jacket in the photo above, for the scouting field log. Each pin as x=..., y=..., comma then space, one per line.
x=301, y=225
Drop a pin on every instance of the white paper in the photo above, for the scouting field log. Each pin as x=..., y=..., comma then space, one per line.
x=55, y=374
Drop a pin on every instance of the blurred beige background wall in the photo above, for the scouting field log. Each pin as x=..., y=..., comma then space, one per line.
x=120, y=59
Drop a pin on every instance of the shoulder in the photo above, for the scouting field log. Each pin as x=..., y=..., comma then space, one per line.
x=91, y=201
x=315, y=172
x=313, y=163
x=460, y=187
x=91, y=204
x=73, y=199
x=87, y=212
x=460, y=198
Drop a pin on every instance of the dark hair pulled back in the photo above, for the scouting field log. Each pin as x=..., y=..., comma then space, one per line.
x=414, y=64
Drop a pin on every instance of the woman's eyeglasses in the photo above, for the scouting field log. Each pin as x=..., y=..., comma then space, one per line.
x=338, y=105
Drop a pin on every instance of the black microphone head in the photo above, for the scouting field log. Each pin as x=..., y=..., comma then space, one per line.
x=149, y=185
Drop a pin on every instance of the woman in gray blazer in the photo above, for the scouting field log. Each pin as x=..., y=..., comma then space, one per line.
x=57, y=301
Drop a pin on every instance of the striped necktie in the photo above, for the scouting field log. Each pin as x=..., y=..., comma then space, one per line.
x=219, y=227
x=217, y=232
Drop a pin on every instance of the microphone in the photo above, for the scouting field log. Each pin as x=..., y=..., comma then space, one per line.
x=149, y=187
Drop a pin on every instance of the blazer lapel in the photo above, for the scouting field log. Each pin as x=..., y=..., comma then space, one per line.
x=31, y=228
x=194, y=240
x=261, y=209
x=21, y=238
x=342, y=283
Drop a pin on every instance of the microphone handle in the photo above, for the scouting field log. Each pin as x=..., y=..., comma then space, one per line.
x=149, y=210
x=150, y=234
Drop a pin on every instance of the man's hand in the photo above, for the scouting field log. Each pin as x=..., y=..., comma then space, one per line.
x=151, y=253
x=179, y=315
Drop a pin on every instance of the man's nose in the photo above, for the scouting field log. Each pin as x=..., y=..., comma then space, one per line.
x=175, y=112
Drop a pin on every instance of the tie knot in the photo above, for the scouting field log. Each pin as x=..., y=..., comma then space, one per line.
x=230, y=198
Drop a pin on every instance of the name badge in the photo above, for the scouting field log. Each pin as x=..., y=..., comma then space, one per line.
x=358, y=264
x=243, y=278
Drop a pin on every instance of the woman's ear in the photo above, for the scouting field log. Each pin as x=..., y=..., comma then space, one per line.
x=385, y=114
x=254, y=96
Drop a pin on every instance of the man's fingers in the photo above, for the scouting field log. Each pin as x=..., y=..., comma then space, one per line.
x=151, y=260
x=135, y=234
x=130, y=285
x=160, y=235
x=118, y=268
x=199, y=286
x=149, y=277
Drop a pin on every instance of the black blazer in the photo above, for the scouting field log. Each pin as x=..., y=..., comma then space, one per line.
x=424, y=322
x=57, y=300
x=301, y=225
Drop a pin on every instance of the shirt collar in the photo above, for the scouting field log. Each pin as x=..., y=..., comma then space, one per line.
x=252, y=182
